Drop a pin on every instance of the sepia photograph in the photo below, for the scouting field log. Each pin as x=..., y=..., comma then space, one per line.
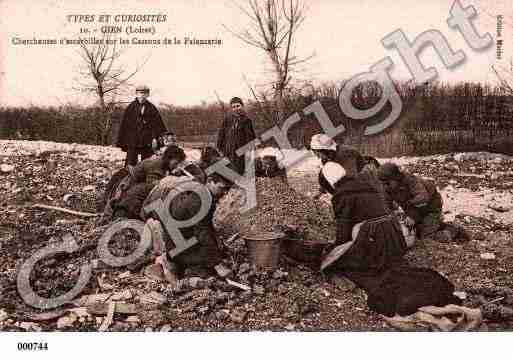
x=254, y=166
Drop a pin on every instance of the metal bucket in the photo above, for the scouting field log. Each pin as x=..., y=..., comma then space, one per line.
x=305, y=251
x=264, y=248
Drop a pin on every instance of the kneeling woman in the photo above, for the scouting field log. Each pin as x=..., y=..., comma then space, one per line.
x=369, y=237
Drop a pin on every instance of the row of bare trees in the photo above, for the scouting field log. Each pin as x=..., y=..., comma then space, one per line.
x=272, y=27
x=440, y=118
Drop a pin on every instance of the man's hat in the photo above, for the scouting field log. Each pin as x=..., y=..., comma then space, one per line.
x=236, y=100
x=142, y=88
x=322, y=142
x=333, y=172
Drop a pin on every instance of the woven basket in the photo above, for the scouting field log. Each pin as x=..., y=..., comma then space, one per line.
x=264, y=248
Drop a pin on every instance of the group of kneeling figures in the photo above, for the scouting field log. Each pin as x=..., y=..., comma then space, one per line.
x=367, y=199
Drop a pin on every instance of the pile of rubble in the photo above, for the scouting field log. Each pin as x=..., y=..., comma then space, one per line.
x=235, y=296
x=278, y=205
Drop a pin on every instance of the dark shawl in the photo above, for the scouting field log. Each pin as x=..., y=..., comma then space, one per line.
x=380, y=240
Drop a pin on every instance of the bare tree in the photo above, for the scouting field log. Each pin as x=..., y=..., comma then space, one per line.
x=500, y=8
x=504, y=75
x=101, y=72
x=273, y=26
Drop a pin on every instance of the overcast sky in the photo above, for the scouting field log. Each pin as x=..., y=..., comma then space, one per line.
x=345, y=36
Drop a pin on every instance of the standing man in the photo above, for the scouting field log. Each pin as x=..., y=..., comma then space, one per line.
x=140, y=128
x=235, y=132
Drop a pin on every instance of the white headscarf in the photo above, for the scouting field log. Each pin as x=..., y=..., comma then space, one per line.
x=333, y=172
x=322, y=141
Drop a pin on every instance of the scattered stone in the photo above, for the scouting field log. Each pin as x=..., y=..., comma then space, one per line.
x=244, y=268
x=104, y=285
x=3, y=315
x=67, y=321
x=499, y=207
x=258, y=289
x=222, y=314
x=497, y=312
x=102, y=308
x=4, y=168
x=124, y=295
x=67, y=222
x=230, y=304
x=68, y=197
x=279, y=274
x=153, y=298
x=196, y=282
x=238, y=316
x=245, y=296
x=238, y=285
x=342, y=283
x=80, y=312
x=324, y=292
x=41, y=317
x=133, y=319
x=154, y=318
x=124, y=275
x=203, y=310
x=276, y=321
x=282, y=289
x=487, y=256
x=444, y=236
x=222, y=271
x=30, y=327
x=461, y=295
x=109, y=318
x=478, y=236
x=168, y=269
x=290, y=327
x=222, y=297
x=155, y=272
x=120, y=326
x=166, y=328
x=92, y=299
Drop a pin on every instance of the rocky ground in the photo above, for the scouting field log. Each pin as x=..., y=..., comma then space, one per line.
x=477, y=190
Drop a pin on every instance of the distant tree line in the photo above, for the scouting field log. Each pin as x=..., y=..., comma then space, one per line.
x=437, y=118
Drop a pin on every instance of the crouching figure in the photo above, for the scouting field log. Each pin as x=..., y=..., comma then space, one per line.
x=203, y=249
x=146, y=175
x=422, y=203
x=368, y=236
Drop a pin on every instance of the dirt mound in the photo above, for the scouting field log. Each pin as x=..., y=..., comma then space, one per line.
x=278, y=204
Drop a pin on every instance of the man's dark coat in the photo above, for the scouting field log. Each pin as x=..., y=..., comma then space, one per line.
x=138, y=131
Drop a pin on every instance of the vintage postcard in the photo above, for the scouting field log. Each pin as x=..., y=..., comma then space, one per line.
x=255, y=166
